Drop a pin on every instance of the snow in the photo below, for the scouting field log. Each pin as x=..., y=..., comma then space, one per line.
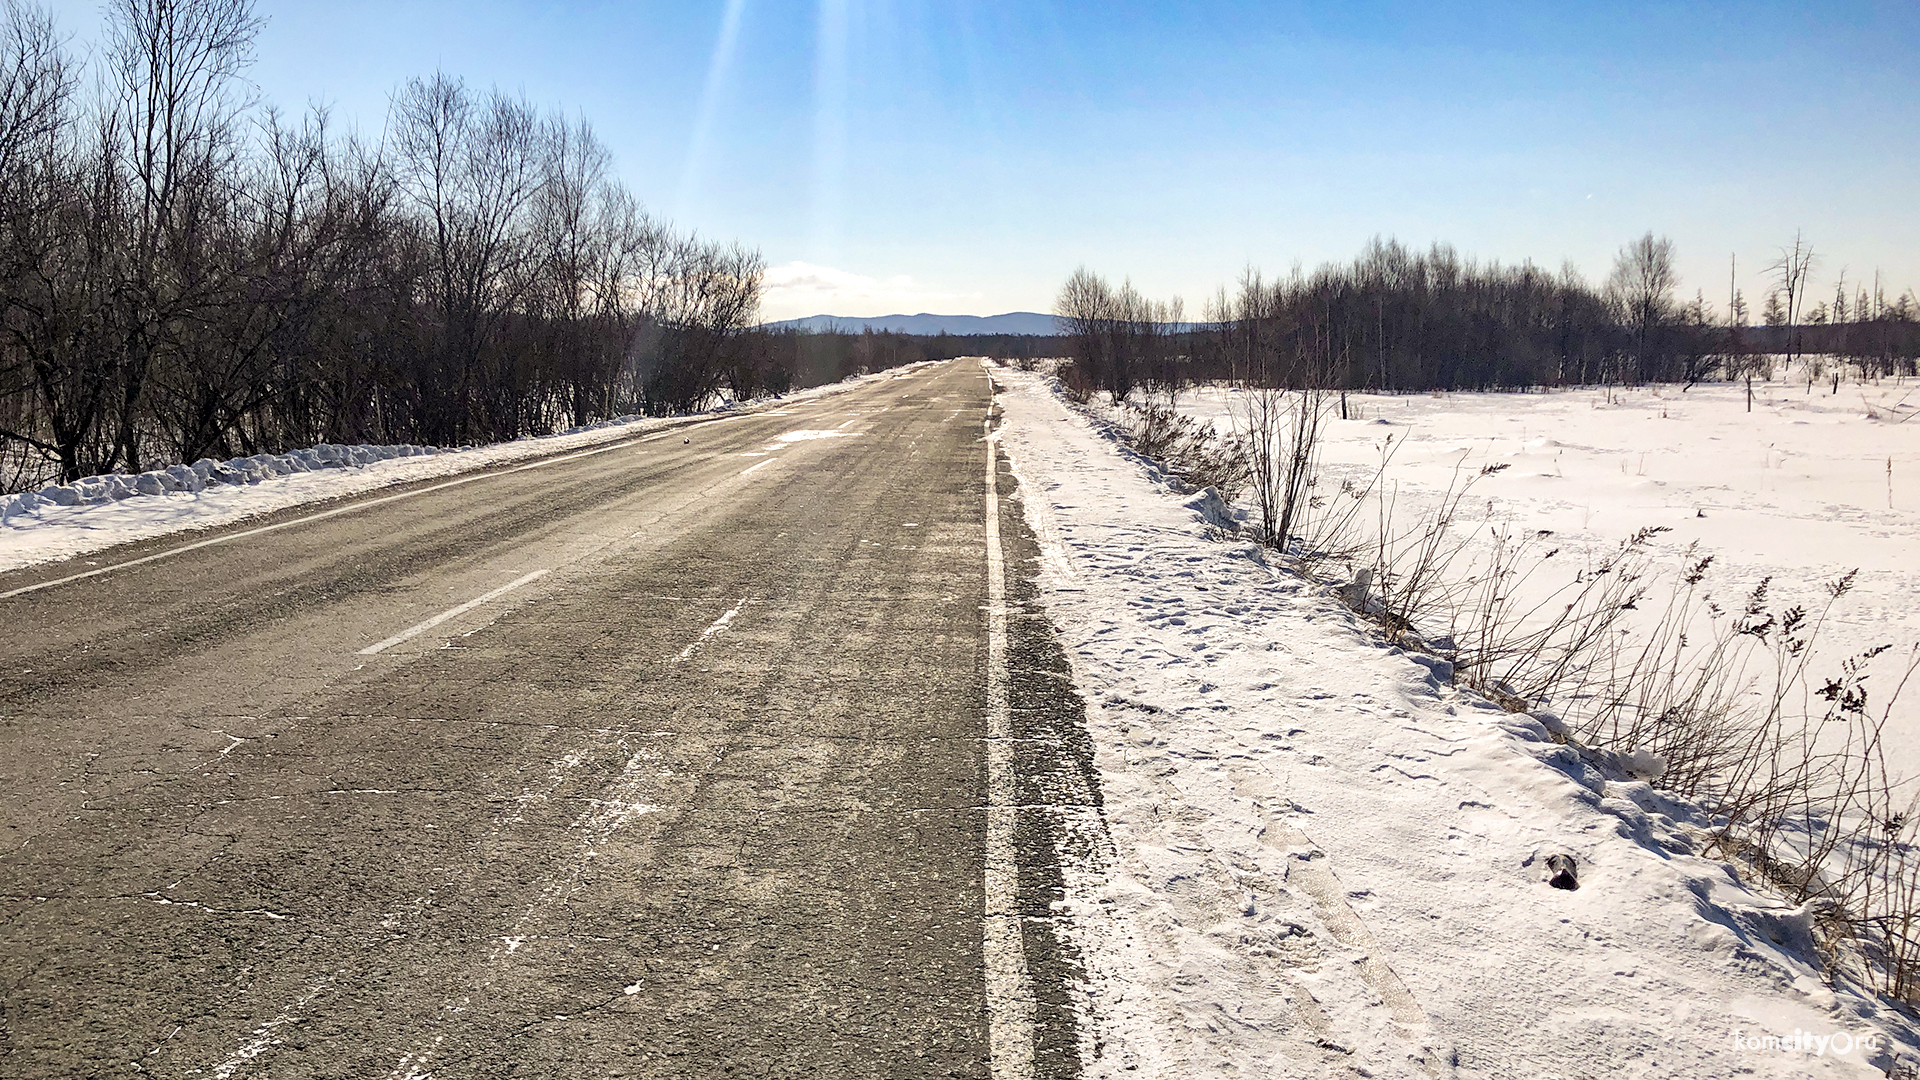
x=1804, y=488
x=66, y=521
x=1321, y=859
x=809, y=435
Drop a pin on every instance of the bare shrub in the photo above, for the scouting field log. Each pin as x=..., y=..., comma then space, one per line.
x=1120, y=339
x=1301, y=514
x=1413, y=569
x=1717, y=704
x=1191, y=450
x=1076, y=381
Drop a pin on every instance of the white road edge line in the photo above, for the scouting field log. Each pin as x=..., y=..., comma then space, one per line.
x=416, y=631
x=762, y=465
x=323, y=515
x=1009, y=991
x=719, y=624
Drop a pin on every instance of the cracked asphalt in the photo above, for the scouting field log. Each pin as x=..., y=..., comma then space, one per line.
x=595, y=826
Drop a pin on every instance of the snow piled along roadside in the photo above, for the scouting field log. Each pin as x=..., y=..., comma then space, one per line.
x=100, y=490
x=65, y=521
x=1326, y=861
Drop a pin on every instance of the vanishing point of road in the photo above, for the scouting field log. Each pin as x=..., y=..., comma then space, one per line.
x=735, y=748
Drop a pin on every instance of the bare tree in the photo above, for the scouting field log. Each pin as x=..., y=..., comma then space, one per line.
x=1086, y=310
x=698, y=299
x=1641, y=287
x=36, y=87
x=472, y=168
x=1790, y=275
x=174, y=68
x=52, y=385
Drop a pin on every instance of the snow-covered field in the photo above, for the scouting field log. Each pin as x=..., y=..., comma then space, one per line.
x=1802, y=489
x=1325, y=862
x=121, y=509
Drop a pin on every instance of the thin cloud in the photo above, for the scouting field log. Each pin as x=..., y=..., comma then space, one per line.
x=798, y=289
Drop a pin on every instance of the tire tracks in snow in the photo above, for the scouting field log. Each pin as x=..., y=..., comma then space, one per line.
x=1310, y=869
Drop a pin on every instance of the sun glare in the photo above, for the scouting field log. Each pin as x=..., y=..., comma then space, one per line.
x=830, y=85
x=717, y=68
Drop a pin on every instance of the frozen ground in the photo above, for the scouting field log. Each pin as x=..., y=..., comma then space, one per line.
x=1323, y=862
x=46, y=531
x=1804, y=488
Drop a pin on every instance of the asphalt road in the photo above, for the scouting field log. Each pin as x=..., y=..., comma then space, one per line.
x=667, y=760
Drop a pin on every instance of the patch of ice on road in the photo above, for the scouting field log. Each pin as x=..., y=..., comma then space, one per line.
x=808, y=435
x=1322, y=860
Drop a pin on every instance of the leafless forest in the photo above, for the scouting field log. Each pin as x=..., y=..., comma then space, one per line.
x=1399, y=319
x=186, y=271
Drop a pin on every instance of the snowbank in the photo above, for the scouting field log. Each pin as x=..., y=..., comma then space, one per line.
x=1322, y=859
x=100, y=490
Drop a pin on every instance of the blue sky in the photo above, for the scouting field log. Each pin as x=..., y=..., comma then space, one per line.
x=961, y=156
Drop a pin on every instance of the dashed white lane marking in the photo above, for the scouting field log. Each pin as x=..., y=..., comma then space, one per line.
x=719, y=624
x=762, y=465
x=453, y=612
x=1009, y=991
x=310, y=518
x=276, y=916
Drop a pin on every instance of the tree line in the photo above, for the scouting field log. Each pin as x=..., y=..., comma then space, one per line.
x=1861, y=329
x=187, y=272
x=1398, y=319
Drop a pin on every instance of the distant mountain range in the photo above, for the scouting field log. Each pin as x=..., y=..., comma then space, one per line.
x=1013, y=322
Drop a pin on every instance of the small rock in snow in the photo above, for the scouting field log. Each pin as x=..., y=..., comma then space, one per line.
x=1566, y=872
